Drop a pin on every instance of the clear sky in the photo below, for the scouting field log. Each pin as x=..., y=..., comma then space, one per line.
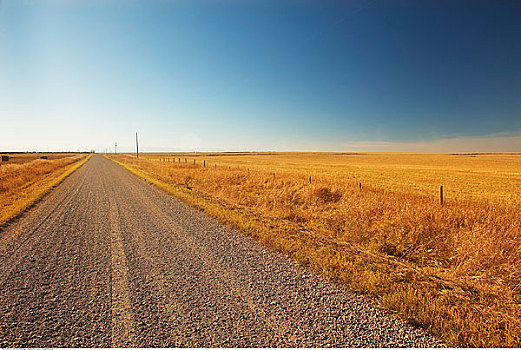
x=261, y=75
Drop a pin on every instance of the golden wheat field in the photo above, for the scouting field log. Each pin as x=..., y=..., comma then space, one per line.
x=453, y=269
x=24, y=157
x=464, y=176
x=25, y=178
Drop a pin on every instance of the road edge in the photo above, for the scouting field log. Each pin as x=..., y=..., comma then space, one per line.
x=288, y=246
x=39, y=196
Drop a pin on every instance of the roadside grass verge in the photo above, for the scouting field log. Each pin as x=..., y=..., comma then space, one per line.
x=23, y=185
x=453, y=270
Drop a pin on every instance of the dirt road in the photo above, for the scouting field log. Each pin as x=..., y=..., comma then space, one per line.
x=109, y=260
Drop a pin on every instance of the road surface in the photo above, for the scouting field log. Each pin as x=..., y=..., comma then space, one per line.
x=108, y=260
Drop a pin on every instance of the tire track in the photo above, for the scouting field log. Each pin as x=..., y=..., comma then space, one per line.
x=11, y=243
x=220, y=277
x=123, y=333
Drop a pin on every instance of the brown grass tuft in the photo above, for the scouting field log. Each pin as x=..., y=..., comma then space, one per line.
x=325, y=195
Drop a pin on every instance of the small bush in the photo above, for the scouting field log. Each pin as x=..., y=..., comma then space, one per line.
x=325, y=195
x=188, y=181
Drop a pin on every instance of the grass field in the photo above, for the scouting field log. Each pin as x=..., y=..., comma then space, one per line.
x=25, y=157
x=25, y=178
x=464, y=176
x=453, y=269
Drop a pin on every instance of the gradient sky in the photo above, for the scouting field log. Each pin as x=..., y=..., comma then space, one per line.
x=261, y=75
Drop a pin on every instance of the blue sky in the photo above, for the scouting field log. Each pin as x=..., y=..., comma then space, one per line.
x=261, y=75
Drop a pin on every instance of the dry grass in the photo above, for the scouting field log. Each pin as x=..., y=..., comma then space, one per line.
x=26, y=180
x=25, y=157
x=452, y=269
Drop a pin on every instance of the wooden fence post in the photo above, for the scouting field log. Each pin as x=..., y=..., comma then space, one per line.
x=441, y=195
x=204, y=163
x=360, y=186
x=310, y=179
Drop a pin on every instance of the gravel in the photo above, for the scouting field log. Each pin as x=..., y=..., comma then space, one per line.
x=108, y=260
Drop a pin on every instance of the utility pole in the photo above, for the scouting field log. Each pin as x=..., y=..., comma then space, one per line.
x=137, y=148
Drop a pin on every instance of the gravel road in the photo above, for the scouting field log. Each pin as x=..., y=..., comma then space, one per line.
x=107, y=260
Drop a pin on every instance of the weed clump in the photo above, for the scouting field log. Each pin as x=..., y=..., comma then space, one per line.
x=188, y=181
x=325, y=195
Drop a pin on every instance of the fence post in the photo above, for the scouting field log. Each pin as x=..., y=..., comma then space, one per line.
x=441, y=195
x=360, y=186
x=310, y=179
x=204, y=163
